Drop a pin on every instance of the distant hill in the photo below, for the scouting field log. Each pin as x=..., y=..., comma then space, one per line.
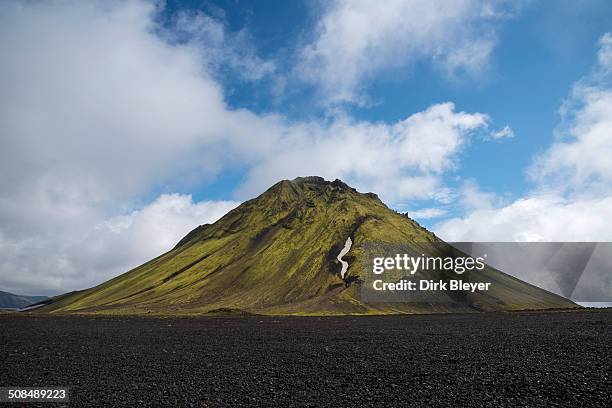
x=11, y=301
x=278, y=254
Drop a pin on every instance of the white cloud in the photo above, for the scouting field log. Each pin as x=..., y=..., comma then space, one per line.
x=505, y=133
x=154, y=229
x=97, y=110
x=59, y=261
x=95, y=104
x=572, y=200
x=356, y=39
x=604, y=55
x=398, y=161
x=426, y=213
x=579, y=159
x=540, y=218
x=218, y=48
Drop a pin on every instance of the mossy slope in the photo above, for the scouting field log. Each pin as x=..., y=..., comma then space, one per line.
x=276, y=254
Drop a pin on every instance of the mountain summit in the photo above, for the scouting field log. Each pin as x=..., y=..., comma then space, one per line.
x=295, y=249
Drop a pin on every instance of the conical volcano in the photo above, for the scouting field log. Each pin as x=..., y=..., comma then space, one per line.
x=285, y=252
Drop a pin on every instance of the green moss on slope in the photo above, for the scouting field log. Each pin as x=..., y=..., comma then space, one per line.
x=276, y=254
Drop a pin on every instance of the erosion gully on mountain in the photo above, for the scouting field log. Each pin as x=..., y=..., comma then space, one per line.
x=345, y=265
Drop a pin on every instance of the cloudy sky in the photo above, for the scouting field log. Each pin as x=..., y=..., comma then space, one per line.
x=126, y=124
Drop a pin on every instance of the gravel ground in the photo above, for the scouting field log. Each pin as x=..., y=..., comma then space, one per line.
x=515, y=359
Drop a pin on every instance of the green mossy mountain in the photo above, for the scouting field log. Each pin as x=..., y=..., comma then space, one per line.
x=276, y=254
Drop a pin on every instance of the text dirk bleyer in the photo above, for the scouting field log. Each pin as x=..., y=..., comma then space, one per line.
x=430, y=285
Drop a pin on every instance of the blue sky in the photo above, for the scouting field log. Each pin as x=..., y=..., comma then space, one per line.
x=132, y=122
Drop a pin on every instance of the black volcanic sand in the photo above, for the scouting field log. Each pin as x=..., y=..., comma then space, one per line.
x=514, y=359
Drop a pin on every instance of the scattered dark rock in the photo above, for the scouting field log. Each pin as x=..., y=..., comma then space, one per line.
x=503, y=359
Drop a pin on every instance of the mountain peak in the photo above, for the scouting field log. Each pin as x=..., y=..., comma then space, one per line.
x=318, y=185
x=320, y=181
x=311, y=190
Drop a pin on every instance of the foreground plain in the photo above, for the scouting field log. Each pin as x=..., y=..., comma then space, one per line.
x=504, y=359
